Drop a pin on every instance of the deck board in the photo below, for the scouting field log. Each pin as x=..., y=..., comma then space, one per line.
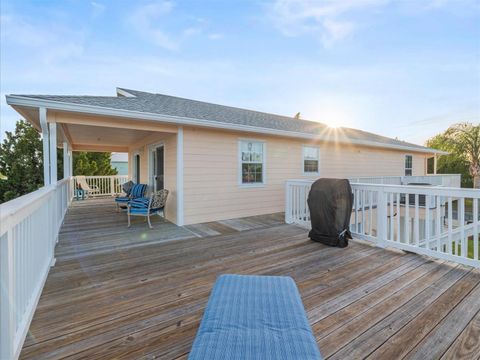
x=138, y=293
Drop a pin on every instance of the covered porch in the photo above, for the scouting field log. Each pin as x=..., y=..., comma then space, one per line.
x=154, y=149
x=132, y=293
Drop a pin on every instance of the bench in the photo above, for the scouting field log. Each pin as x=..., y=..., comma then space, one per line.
x=254, y=317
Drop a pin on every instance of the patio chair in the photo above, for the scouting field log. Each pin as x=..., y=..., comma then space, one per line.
x=132, y=191
x=88, y=190
x=148, y=206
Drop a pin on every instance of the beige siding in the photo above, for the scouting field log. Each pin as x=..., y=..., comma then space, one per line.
x=211, y=172
x=170, y=152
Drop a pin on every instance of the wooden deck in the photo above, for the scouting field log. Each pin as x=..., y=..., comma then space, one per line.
x=140, y=294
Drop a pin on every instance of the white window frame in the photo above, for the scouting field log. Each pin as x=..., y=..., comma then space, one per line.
x=240, y=162
x=135, y=177
x=405, y=165
x=303, y=161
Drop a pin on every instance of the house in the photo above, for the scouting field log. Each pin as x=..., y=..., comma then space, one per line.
x=119, y=162
x=218, y=162
x=106, y=291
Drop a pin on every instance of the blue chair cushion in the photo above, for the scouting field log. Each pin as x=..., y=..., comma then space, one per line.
x=138, y=190
x=142, y=211
x=122, y=199
x=140, y=202
x=254, y=317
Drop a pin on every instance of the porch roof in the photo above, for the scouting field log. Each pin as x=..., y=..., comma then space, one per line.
x=171, y=109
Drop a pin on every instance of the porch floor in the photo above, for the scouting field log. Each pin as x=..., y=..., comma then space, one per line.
x=135, y=293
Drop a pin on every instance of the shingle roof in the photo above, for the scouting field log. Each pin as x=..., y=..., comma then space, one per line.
x=185, y=108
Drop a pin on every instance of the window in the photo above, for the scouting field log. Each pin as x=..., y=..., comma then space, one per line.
x=408, y=165
x=252, y=158
x=310, y=160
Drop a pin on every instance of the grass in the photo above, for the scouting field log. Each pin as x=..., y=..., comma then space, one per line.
x=470, y=248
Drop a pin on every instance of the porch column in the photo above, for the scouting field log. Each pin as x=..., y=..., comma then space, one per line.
x=70, y=162
x=52, y=129
x=46, y=148
x=435, y=164
x=180, y=221
x=66, y=160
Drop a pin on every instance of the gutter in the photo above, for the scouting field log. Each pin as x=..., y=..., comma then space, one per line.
x=100, y=110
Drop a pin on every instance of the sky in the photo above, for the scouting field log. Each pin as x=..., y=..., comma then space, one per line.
x=405, y=69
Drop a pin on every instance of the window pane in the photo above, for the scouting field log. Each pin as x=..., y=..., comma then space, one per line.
x=408, y=172
x=310, y=153
x=408, y=161
x=310, y=166
x=252, y=159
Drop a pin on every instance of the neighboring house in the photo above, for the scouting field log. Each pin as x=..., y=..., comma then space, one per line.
x=218, y=162
x=119, y=161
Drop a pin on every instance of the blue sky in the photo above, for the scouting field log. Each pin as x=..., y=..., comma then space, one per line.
x=405, y=69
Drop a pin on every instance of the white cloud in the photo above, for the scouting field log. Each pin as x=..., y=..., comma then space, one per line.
x=51, y=42
x=97, y=8
x=145, y=20
x=333, y=20
x=322, y=18
x=149, y=22
x=215, y=36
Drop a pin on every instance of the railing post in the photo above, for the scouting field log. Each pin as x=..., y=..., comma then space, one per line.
x=288, y=203
x=7, y=297
x=112, y=186
x=381, y=217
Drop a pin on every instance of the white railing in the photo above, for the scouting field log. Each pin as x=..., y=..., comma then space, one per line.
x=101, y=185
x=431, y=220
x=29, y=227
x=447, y=180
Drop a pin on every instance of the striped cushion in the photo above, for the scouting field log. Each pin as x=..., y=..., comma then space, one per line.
x=122, y=199
x=142, y=211
x=140, y=202
x=138, y=211
x=254, y=317
x=138, y=190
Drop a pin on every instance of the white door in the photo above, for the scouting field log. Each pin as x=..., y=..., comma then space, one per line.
x=157, y=173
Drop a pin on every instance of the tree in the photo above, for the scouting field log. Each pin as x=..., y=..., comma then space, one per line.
x=462, y=141
x=21, y=162
x=92, y=164
x=21, y=158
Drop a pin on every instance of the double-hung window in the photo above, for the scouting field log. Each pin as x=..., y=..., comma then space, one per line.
x=310, y=160
x=408, y=165
x=252, y=162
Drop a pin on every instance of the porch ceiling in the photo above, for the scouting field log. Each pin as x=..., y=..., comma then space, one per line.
x=100, y=138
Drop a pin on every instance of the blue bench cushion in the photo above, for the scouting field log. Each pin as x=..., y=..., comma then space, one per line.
x=254, y=317
x=122, y=199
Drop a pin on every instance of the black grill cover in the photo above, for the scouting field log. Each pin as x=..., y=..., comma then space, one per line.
x=330, y=202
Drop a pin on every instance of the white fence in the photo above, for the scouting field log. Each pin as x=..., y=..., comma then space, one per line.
x=101, y=185
x=437, y=221
x=29, y=227
x=447, y=180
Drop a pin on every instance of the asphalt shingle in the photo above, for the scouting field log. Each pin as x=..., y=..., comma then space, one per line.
x=180, y=107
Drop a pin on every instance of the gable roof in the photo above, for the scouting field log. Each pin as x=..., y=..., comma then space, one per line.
x=134, y=103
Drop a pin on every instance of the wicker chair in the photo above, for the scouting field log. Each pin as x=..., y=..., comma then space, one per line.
x=148, y=206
